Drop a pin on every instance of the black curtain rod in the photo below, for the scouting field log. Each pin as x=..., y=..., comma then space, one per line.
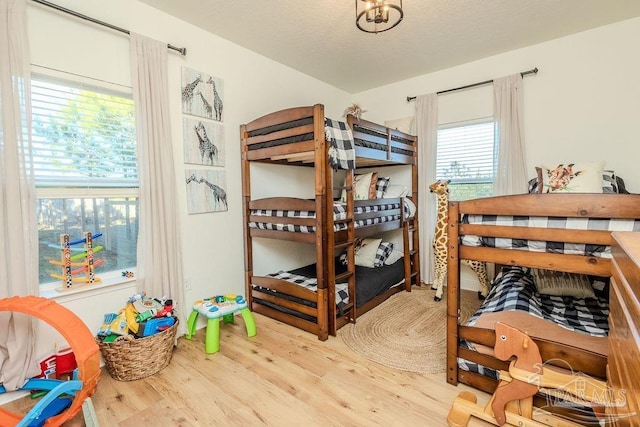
x=486, y=82
x=182, y=50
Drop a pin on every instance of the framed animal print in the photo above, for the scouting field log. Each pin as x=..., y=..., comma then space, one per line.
x=203, y=142
x=202, y=95
x=206, y=191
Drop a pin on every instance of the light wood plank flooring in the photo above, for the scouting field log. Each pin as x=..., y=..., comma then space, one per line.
x=281, y=377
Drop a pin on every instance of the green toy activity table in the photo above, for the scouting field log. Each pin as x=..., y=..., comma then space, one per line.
x=217, y=309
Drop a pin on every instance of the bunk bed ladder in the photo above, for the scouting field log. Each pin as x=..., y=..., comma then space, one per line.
x=246, y=198
x=411, y=231
x=351, y=257
x=411, y=253
x=347, y=311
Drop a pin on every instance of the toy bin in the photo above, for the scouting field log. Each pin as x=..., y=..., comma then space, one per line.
x=129, y=359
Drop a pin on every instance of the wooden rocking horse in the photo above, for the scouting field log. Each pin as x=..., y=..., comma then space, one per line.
x=512, y=401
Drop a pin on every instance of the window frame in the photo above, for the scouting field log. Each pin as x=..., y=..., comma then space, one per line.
x=108, y=278
x=489, y=120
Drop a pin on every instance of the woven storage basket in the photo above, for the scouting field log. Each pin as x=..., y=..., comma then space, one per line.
x=133, y=359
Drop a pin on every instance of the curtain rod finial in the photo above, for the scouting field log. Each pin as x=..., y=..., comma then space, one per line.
x=181, y=50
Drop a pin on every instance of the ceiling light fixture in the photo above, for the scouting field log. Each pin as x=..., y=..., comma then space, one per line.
x=376, y=16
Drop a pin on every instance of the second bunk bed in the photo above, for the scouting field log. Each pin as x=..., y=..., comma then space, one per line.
x=323, y=297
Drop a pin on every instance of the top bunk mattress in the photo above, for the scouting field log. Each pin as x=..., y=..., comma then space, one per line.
x=308, y=121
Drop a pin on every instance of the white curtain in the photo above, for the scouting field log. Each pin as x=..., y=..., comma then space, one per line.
x=511, y=172
x=159, y=240
x=427, y=130
x=18, y=235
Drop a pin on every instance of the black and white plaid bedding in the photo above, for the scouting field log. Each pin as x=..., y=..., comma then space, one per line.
x=342, y=290
x=312, y=229
x=514, y=290
x=342, y=154
x=381, y=186
x=293, y=228
x=548, y=222
x=339, y=212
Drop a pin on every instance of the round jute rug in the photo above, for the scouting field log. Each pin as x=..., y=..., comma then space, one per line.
x=408, y=331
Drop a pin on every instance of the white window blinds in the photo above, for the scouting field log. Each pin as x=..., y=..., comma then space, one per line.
x=82, y=136
x=465, y=153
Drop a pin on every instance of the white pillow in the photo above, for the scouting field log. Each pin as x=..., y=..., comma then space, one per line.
x=361, y=187
x=366, y=252
x=395, y=256
x=572, y=178
x=396, y=191
x=409, y=210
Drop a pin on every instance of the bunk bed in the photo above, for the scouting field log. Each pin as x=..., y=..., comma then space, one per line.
x=529, y=237
x=323, y=297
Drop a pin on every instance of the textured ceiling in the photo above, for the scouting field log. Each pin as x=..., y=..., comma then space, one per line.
x=320, y=39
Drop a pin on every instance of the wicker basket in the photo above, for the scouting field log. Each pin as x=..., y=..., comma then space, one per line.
x=132, y=359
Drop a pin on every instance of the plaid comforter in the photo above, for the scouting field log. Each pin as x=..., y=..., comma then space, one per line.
x=514, y=290
x=342, y=290
x=342, y=154
x=548, y=222
x=339, y=213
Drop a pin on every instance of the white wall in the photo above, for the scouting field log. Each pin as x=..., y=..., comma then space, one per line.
x=253, y=86
x=584, y=103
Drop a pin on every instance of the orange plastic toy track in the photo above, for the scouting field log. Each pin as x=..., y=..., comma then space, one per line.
x=78, y=336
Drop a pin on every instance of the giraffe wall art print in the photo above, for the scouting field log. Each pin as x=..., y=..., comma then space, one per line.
x=206, y=190
x=202, y=95
x=203, y=142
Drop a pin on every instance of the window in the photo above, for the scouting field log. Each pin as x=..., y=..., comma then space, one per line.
x=465, y=155
x=85, y=165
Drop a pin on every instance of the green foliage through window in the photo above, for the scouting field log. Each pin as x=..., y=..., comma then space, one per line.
x=465, y=155
x=85, y=165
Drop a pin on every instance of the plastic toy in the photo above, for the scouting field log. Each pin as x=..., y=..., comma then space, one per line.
x=65, y=363
x=153, y=326
x=105, y=329
x=87, y=265
x=216, y=309
x=156, y=307
x=62, y=395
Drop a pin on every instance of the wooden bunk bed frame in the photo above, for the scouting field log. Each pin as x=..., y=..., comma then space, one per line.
x=577, y=355
x=296, y=136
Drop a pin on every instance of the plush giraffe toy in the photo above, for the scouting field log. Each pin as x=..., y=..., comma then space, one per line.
x=441, y=189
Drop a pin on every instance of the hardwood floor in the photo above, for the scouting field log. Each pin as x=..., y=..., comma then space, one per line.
x=282, y=376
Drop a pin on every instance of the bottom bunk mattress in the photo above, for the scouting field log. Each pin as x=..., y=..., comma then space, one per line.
x=514, y=299
x=370, y=282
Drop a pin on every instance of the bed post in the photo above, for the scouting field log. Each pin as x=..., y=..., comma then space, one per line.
x=415, y=255
x=326, y=311
x=246, y=198
x=453, y=293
